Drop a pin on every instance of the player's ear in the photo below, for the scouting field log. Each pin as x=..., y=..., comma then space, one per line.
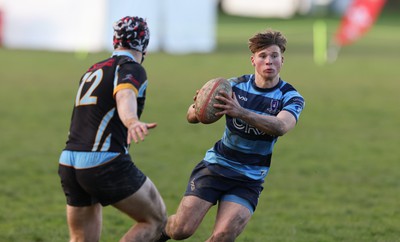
x=283, y=58
x=252, y=60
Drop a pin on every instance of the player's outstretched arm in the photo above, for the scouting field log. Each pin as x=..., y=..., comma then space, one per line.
x=127, y=111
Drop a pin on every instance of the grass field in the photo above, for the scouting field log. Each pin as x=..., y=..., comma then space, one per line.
x=335, y=177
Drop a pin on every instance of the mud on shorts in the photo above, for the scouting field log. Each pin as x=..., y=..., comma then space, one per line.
x=111, y=181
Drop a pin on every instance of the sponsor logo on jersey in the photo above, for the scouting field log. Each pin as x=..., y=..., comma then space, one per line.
x=243, y=98
x=246, y=128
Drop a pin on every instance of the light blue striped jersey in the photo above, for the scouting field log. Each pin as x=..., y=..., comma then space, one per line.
x=244, y=152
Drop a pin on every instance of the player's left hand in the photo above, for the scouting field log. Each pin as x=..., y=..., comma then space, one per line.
x=230, y=105
x=137, y=130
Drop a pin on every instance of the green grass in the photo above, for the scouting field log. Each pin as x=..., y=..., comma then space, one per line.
x=333, y=178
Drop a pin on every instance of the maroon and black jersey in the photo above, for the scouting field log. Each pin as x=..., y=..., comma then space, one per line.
x=95, y=124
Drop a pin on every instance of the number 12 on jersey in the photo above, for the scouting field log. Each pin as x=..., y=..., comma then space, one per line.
x=92, y=79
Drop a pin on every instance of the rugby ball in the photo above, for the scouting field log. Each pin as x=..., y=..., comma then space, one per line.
x=205, y=99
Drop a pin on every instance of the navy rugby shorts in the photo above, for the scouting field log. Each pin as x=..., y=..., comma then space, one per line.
x=213, y=187
x=107, y=183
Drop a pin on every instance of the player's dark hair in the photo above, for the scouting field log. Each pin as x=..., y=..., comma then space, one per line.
x=265, y=39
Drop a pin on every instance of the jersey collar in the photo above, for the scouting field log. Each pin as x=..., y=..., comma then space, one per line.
x=125, y=53
x=253, y=83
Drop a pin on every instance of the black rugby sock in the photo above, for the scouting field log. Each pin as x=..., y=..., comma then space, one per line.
x=164, y=237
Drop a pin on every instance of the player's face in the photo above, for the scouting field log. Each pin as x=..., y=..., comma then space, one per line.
x=268, y=62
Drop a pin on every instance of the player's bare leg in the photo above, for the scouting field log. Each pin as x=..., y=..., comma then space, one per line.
x=147, y=208
x=84, y=222
x=231, y=220
x=188, y=217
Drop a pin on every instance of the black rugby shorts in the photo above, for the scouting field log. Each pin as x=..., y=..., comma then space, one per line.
x=105, y=184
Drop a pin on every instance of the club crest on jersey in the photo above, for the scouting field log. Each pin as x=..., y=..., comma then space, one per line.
x=131, y=78
x=273, y=106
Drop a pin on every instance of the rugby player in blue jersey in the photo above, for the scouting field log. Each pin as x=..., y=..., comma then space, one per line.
x=261, y=108
x=95, y=167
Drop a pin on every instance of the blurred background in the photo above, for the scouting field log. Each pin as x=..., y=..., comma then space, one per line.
x=177, y=26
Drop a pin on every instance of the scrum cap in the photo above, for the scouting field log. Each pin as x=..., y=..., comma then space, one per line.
x=131, y=32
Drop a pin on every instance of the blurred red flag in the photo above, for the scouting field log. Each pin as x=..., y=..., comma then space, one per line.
x=357, y=20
